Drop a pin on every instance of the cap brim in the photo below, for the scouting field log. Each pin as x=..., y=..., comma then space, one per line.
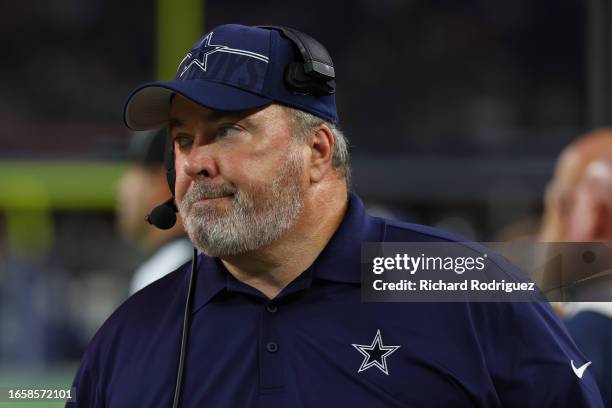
x=148, y=106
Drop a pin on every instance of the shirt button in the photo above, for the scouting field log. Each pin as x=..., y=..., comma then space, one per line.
x=271, y=308
x=272, y=347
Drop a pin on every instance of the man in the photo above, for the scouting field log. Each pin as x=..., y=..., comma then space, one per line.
x=570, y=168
x=142, y=186
x=277, y=320
x=579, y=209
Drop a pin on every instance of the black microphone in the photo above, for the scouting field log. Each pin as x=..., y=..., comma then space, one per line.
x=163, y=216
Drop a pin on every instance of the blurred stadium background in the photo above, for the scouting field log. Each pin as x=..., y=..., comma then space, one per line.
x=455, y=111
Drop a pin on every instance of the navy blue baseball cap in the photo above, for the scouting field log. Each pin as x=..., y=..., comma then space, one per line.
x=233, y=67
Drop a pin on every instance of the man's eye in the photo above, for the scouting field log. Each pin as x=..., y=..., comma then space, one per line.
x=183, y=141
x=227, y=131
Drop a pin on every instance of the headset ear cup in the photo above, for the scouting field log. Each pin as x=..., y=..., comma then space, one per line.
x=296, y=79
x=300, y=82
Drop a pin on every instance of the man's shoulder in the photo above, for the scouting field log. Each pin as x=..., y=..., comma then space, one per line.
x=144, y=327
x=400, y=231
x=159, y=292
x=442, y=243
x=144, y=311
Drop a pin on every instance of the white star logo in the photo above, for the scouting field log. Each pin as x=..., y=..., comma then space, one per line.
x=207, y=48
x=375, y=355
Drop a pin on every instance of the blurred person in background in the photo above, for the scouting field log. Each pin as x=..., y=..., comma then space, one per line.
x=578, y=208
x=560, y=199
x=561, y=190
x=141, y=188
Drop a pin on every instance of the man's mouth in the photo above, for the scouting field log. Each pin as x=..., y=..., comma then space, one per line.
x=215, y=198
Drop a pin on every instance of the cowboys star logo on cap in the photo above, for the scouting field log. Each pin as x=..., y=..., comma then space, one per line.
x=205, y=48
x=375, y=354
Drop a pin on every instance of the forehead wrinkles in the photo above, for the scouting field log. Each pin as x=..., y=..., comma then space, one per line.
x=273, y=116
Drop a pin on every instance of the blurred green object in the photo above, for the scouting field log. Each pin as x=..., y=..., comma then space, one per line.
x=31, y=190
x=40, y=185
x=179, y=23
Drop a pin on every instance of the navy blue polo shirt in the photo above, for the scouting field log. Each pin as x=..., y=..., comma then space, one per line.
x=592, y=332
x=317, y=345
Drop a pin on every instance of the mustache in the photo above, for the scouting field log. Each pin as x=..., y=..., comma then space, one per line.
x=200, y=190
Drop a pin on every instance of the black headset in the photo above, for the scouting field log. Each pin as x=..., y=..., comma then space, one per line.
x=315, y=76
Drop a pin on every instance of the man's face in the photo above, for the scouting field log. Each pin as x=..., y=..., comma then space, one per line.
x=239, y=176
x=137, y=193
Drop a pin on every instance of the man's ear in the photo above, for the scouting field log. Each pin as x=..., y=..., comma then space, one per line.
x=321, y=145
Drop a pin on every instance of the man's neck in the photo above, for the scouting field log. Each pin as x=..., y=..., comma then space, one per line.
x=272, y=268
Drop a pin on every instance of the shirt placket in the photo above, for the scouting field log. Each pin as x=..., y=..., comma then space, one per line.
x=271, y=376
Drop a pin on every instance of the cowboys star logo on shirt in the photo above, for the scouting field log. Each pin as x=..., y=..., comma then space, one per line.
x=375, y=354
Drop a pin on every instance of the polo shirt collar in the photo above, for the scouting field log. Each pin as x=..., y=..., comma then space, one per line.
x=212, y=278
x=340, y=260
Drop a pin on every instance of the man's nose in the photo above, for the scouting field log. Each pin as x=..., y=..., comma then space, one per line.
x=201, y=162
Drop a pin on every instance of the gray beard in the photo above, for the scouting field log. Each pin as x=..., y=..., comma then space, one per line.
x=254, y=219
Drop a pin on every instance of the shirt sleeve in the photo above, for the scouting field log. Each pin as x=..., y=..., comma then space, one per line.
x=592, y=333
x=86, y=384
x=86, y=387
x=533, y=361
